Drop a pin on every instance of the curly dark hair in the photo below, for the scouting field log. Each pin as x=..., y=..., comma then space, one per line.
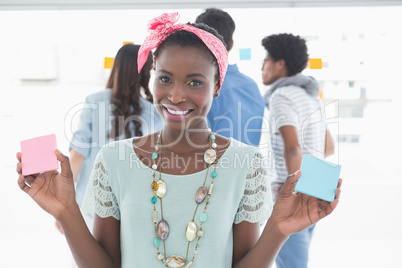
x=221, y=21
x=126, y=84
x=187, y=39
x=292, y=49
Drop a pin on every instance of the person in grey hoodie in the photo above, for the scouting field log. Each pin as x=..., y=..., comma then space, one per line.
x=297, y=124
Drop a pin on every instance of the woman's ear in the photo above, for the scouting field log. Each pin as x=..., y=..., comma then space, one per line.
x=217, y=89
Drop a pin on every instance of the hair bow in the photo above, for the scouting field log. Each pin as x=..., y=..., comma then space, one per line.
x=164, y=25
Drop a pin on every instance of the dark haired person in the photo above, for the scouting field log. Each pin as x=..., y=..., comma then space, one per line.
x=239, y=109
x=119, y=112
x=297, y=124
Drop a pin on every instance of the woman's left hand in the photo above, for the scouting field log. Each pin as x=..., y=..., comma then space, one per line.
x=294, y=212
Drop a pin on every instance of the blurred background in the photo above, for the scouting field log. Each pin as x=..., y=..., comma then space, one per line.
x=54, y=53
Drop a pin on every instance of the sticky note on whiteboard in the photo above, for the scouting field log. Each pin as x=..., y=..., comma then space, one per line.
x=108, y=63
x=245, y=53
x=319, y=178
x=38, y=155
x=315, y=63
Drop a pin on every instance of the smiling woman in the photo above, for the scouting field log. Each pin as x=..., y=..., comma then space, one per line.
x=184, y=90
x=217, y=201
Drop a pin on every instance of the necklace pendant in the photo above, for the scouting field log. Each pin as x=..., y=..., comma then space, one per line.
x=191, y=231
x=175, y=261
x=210, y=156
x=161, y=189
x=163, y=229
x=201, y=194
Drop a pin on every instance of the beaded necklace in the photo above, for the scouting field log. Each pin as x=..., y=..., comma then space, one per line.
x=159, y=191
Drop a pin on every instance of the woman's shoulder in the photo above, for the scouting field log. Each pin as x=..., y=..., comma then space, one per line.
x=144, y=145
x=145, y=102
x=116, y=150
x=237, y=151
x=101, y=95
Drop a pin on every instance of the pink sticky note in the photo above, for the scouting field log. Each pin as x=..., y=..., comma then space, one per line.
x=38, y=155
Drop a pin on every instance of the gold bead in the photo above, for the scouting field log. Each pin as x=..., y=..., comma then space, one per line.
x=154, y=186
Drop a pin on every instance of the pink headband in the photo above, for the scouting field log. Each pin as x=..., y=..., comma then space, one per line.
x=162, y=26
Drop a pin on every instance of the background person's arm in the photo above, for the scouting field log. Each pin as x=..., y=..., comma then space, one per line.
x=329, y=144
x=76, y=160
x=292, y=150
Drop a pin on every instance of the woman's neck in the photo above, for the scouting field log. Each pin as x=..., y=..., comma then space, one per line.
x=185, y=140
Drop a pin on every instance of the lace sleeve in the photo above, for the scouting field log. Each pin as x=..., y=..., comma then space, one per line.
x=256, y=203
x=99, y=196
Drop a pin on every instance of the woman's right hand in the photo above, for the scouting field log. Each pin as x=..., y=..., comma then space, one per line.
x=52, y=191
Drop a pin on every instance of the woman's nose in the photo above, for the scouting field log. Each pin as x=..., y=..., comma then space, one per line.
x=177, y=95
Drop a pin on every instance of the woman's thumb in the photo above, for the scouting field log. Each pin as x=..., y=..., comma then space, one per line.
x=64, y=164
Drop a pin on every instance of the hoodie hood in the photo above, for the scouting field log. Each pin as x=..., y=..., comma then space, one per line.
x=308, y=83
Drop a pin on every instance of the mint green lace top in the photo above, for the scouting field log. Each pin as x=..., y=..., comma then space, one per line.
x=120, y=187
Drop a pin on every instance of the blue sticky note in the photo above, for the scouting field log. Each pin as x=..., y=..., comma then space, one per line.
x=319, y=178
x=245, y=53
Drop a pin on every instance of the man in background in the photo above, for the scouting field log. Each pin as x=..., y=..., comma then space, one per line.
x=297, y=125
x=238, y=111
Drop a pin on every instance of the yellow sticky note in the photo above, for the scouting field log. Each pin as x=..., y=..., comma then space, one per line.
x=315, y=63
x=108, y=63
x=127, y=42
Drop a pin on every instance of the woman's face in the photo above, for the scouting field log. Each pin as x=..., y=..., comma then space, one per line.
x=184, y=86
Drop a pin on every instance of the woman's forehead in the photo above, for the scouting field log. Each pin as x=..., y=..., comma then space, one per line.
x=192, y=57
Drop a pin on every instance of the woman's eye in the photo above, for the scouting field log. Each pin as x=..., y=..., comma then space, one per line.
x=195, y=83
x=164, y=79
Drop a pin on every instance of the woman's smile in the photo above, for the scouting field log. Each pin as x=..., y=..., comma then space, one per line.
x=176, y=113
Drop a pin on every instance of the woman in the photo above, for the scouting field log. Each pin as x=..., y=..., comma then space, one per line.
x=212, y=188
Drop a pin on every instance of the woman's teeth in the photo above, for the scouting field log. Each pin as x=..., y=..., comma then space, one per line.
x=177, y=112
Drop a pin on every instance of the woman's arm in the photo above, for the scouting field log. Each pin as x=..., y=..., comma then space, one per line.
x=263, y=254
x=76, y=160
x=54, y=192
x=87, y=250
x=292, y=213
x=245, y=236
